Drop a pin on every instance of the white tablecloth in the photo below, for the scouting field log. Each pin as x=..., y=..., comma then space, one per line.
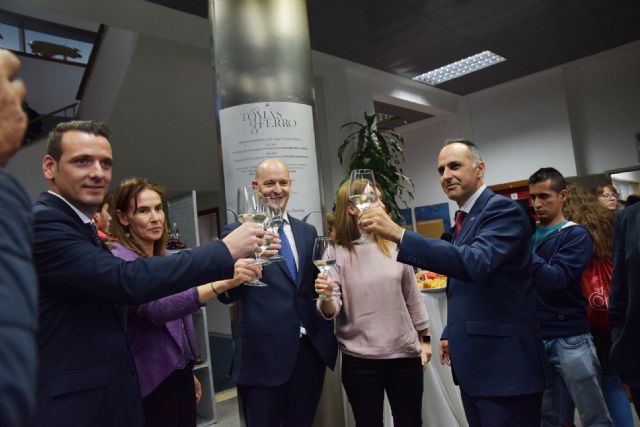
x=441, y=402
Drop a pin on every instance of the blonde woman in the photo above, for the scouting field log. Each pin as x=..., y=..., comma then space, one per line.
x=381, y=323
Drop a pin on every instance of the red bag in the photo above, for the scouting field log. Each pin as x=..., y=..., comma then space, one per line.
x=596, y=286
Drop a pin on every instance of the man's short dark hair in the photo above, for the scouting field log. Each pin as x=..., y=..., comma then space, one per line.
x=54, y=142
x=473, y=148
x=558, y=182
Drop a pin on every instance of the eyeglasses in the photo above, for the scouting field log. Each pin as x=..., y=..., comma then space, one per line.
x=609, y=195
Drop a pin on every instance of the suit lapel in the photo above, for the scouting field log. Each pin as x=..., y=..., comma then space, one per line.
x=473, y=215
x=50, y=200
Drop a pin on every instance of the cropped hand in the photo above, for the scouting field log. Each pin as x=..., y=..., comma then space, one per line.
x=245, y=240
x=444, y=352
x=375, y=220
x=323, y=285
x=13, y=120
x=198, y=388
x=273, y=248
x=425, y=353
x=245, y=270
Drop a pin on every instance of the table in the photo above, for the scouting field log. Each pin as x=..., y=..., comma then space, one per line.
x=441, y=402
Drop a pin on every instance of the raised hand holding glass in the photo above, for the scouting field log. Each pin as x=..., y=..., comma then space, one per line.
x=362, y=193
x=252, y=209
x=275, y=218
x=324, y=257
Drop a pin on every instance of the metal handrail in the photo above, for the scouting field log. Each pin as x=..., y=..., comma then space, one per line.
x=44, y=116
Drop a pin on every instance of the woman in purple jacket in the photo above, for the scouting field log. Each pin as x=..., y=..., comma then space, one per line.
x=160, y=333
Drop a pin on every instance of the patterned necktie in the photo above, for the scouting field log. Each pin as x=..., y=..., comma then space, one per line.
x=94, y=233
x=287, y=254
x=460, y=216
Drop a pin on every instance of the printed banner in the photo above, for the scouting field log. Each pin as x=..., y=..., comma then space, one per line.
x=253, y=132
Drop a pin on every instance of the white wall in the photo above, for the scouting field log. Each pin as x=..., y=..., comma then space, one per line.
x=163, y=121
x=521, y=126
x=344, y=91
x=26, y=166
x=50, y=85
x=109, y=71
x=603, y=94
x=423, y=143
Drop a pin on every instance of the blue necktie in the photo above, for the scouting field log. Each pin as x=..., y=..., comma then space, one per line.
x=287, y=254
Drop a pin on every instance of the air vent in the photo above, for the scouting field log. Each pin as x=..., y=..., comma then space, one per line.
x=398, y=116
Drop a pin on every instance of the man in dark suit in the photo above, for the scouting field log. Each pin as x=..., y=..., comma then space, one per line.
x=490, y=340
x=86, y=374
x=282, y=344
x=624, y=302
x=18, y=283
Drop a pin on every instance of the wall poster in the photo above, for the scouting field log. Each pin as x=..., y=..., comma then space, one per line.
x=253, y=132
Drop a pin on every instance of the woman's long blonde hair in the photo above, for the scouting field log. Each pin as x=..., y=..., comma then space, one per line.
x=582, y=208
x=346, y=228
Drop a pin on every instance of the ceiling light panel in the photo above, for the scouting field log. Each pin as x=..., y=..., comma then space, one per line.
x=460, y=68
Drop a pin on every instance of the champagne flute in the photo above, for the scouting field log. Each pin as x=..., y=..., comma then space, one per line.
x=324, y=257
x=362, y=193
x=275, y=219
x=252, y=209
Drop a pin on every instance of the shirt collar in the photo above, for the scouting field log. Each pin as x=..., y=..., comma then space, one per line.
x=82, y=216
x=468, y=205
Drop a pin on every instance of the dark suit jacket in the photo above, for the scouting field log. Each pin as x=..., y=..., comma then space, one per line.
x=268, y=328
x=624, y=301
x=494, y=345
x=87, y=376
x=18, y=305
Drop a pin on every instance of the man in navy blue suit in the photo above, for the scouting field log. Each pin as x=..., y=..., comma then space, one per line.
x=624, y=302
x=491, y=339
x=18, y=283
x=86, y=374
x=283, y=345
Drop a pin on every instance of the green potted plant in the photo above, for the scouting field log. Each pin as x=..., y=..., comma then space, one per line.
x=381, y=150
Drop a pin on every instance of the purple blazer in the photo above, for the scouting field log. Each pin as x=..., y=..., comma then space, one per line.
x=154, y=331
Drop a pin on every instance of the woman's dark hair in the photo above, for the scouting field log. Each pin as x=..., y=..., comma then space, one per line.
x=125, y=200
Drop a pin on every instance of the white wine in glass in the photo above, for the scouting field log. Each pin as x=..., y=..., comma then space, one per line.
x=252, y=209
x=275, y=219
x=362, y=193
x=324, y=257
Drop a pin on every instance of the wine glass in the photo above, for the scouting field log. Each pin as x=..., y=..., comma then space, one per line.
x=252, y=209
x=324, y=257
x=275, y=219
x=362, y=193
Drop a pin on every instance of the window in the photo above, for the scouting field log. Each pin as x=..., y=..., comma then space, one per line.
x=10, y=37
x=45, y=39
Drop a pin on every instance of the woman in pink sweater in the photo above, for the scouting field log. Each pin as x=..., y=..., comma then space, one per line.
x=380, y=323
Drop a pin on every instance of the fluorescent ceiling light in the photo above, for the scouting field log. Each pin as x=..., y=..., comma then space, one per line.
x=460, y=68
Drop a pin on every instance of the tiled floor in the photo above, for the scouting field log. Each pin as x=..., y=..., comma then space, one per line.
x=227, y=414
